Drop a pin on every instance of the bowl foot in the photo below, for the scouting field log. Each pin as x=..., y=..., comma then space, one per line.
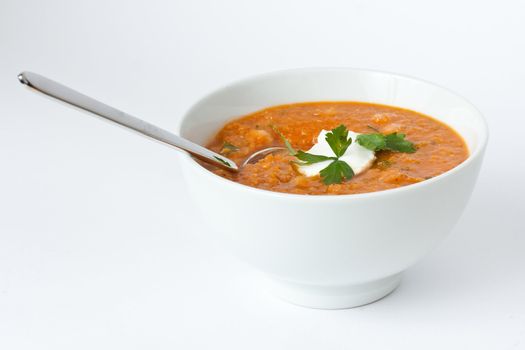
x=334, y=297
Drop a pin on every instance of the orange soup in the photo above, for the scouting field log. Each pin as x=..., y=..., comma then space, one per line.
x=438, y=148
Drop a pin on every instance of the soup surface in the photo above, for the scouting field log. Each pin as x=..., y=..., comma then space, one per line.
x=438, y=147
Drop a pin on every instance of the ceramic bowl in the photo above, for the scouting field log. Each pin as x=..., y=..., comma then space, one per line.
x=332, y=251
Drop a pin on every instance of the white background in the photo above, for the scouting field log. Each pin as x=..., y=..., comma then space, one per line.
x=100, y=247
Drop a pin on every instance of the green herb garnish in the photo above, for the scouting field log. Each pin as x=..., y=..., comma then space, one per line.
x=287, y=143
x=338, y=140
x=338, y=170
x=228, y=147
x=396, y=142
x=373, y=142
x=373, y=128
x=308, y=158
x=391, y=142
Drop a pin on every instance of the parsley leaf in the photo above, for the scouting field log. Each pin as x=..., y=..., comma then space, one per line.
x=338, y=140
x=336, y=172
x=228, y=147
x=309, y=158
x=393, y=142
x=373, y=128
x=287, y=143
x=397, y=142
x=373, y=142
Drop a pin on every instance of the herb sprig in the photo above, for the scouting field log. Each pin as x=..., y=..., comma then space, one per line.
x=228, y=148
x=391, y=142
x=338, y=170
x=287, y=143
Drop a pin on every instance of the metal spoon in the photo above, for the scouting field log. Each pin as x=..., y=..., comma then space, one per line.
x=63, y=93
x=74, y=98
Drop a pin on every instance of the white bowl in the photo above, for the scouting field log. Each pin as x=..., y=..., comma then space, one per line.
x=333, y=251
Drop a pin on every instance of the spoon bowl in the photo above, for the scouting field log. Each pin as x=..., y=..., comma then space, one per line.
x=257, y=156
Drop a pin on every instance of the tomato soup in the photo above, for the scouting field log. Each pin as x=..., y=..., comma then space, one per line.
x=438, y=147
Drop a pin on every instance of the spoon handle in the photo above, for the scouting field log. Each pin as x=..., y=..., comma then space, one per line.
x=72, y=97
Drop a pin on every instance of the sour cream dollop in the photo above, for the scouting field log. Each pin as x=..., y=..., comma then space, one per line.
x=358, y=157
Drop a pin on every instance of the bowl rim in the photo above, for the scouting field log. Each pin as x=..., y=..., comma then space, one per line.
x=478, y=152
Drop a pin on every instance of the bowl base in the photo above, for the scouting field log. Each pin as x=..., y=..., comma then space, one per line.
x=335, y=297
